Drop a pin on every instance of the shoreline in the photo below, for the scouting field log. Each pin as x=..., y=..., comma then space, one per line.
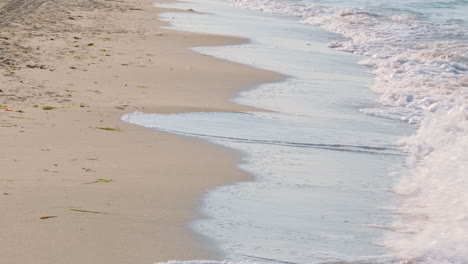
x=316, y=110
x=58, y=160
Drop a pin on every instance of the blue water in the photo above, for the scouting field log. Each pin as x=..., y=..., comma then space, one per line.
x=363, y=157
x=436, y=11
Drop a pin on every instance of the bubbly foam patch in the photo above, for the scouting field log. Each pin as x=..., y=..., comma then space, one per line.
x=434, y=226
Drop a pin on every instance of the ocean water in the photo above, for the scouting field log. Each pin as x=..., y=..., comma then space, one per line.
x=363, y=157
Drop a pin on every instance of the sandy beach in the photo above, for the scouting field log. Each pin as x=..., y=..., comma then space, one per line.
x=78, y=185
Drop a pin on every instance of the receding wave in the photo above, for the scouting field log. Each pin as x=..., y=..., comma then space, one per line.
x=335, y=147
x=265, y=132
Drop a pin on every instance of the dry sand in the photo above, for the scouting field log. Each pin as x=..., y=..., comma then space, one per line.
x=89, y=62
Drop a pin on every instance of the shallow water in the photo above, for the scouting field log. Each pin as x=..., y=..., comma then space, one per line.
x=320, y=165
x=317, y=188
x=339, y=173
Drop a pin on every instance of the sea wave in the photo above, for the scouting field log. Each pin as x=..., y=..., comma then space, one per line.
x=421, y=77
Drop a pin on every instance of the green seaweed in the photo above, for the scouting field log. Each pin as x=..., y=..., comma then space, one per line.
x=20, y=117
x=85, y=211
x=103, y=180
x=100, y=180
x=109, y=128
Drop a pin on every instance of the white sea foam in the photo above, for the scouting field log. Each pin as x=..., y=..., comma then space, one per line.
x=421, y=75
x=434, y=207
